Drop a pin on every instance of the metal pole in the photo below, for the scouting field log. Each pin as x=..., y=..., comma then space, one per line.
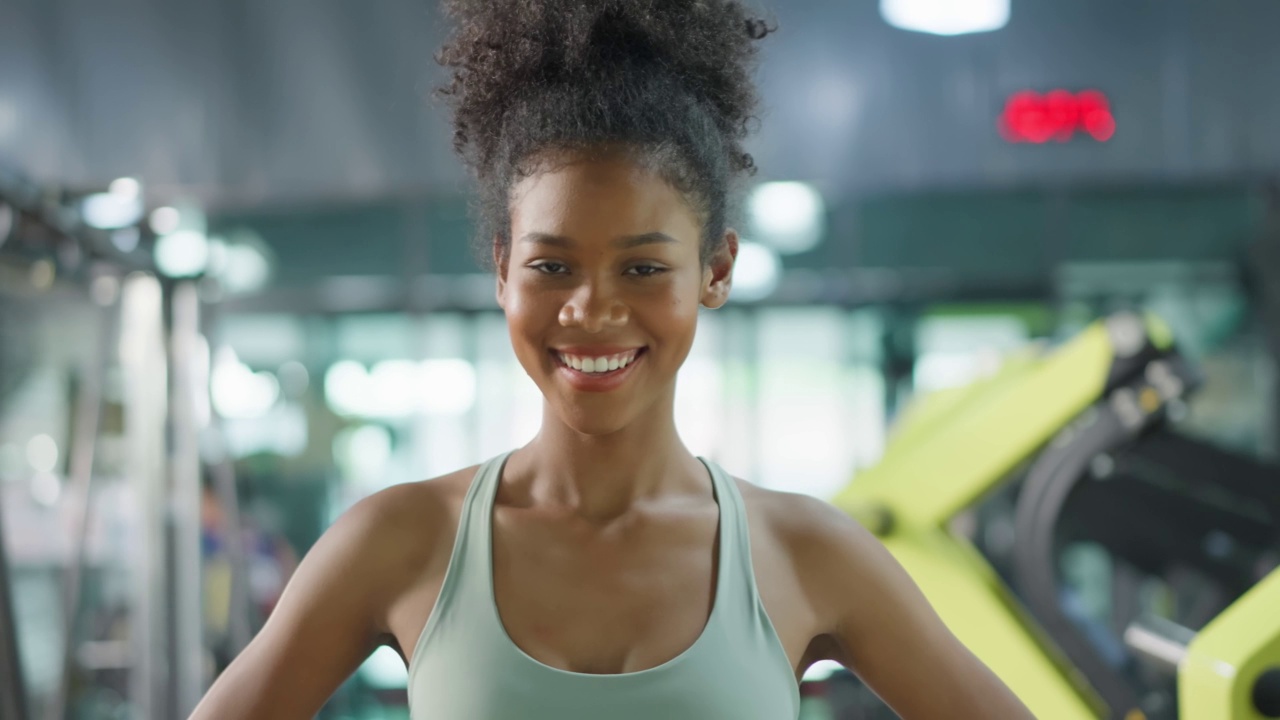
x=239, y=630
x=898, y=356
x=753, y=357
x=1266, y=265
x=222, y=471
x=184, y=583
x=145, y=373
x=1161, y=642
x=13, y=690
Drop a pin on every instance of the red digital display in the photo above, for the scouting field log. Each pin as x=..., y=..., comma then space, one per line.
x=1056, y=116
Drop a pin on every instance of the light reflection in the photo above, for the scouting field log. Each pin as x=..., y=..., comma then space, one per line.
x=822, y=670
x=42, y=453
x=239, y=392
x=400, y=388
x=46, y=488
x=787, y=216
x=755, y=274
x=165, y=220
x=385, y=670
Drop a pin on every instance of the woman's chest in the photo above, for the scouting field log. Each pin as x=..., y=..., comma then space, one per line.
x=617, y=599
x=620, y=600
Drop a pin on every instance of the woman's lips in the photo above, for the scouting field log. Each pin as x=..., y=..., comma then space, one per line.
x=596, y=382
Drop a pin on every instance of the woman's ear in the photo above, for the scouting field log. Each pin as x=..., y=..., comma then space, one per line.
x=717, y=277
x=500, y=269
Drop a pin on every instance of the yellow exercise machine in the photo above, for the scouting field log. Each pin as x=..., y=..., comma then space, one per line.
x=1056, y=424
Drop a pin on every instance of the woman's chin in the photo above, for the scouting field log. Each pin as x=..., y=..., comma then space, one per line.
x=595, y=422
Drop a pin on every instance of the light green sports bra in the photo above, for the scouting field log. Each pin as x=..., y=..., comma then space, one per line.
x=466, y=667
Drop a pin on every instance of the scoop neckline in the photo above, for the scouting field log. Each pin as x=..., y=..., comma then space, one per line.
x=716, y=605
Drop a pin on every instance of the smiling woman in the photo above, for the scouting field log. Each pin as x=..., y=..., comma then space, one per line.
x=608, y=263
x=603, y=569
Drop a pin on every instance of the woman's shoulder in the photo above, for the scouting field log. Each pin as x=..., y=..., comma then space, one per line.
x=412, y=512
x=403, y=530
x=812, y=537
x=792, y=517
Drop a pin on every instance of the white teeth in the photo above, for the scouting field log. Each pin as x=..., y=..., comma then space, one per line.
x=599, y=365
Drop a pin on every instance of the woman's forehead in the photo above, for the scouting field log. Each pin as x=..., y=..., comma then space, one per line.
x=610, y=196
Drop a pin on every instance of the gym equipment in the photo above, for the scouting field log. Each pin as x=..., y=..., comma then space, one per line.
x=1162, y=506
x=1048, y=420
x=84, y=442
x=47, y=213
x=149, y=328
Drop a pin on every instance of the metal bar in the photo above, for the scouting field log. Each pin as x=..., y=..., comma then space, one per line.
x=1266, y=267
x=1162, y=642
x=184, y=583
x=13, y=690
x=145, y=373
x=1044, y=494
x=239, y=629
x=80, y=470
x=222, y=472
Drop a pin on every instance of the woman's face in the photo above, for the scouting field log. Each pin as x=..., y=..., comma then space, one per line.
x=601, y=288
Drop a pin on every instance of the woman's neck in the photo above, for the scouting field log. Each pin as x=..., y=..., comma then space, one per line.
x=601, y=477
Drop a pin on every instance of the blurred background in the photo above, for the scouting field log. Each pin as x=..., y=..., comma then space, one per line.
x=236, y=293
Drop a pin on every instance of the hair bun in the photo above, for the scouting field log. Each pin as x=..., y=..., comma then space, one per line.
x=504, y=48
x=670, y=78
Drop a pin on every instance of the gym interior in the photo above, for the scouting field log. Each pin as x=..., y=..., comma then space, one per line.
x=1008, y=295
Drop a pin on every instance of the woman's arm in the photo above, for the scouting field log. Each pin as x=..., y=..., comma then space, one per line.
x=330, y=617
x=887, y=632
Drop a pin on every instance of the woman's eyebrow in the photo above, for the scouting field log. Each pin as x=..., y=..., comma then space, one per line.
x=624, y=242
x=537, y=238
x=648, y=238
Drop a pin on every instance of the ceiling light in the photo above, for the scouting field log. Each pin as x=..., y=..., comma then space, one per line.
x=787, y=216
x=946, y=17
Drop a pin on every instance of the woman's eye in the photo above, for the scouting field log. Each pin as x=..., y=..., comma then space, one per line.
x=550, y=268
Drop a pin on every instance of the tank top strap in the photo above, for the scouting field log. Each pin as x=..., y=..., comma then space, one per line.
x=740, y=580
x=465, y=588
x=479, y=529
x=747, y=629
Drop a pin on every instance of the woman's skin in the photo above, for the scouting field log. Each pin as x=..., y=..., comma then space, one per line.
x=606, y=500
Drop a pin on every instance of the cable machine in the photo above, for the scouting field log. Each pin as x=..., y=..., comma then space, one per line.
x=149, y=338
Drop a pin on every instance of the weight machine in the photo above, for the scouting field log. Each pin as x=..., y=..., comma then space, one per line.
x=1081, y=436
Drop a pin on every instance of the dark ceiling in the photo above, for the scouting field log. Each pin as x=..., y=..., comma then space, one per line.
x=243, y=103
x=309, y=121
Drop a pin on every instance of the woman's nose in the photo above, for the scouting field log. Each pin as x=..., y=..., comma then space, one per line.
x=594, y=306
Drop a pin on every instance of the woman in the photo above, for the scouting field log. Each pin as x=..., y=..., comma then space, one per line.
x=602, y=570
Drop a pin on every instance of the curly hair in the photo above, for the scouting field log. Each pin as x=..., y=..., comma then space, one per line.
x=666, y=81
